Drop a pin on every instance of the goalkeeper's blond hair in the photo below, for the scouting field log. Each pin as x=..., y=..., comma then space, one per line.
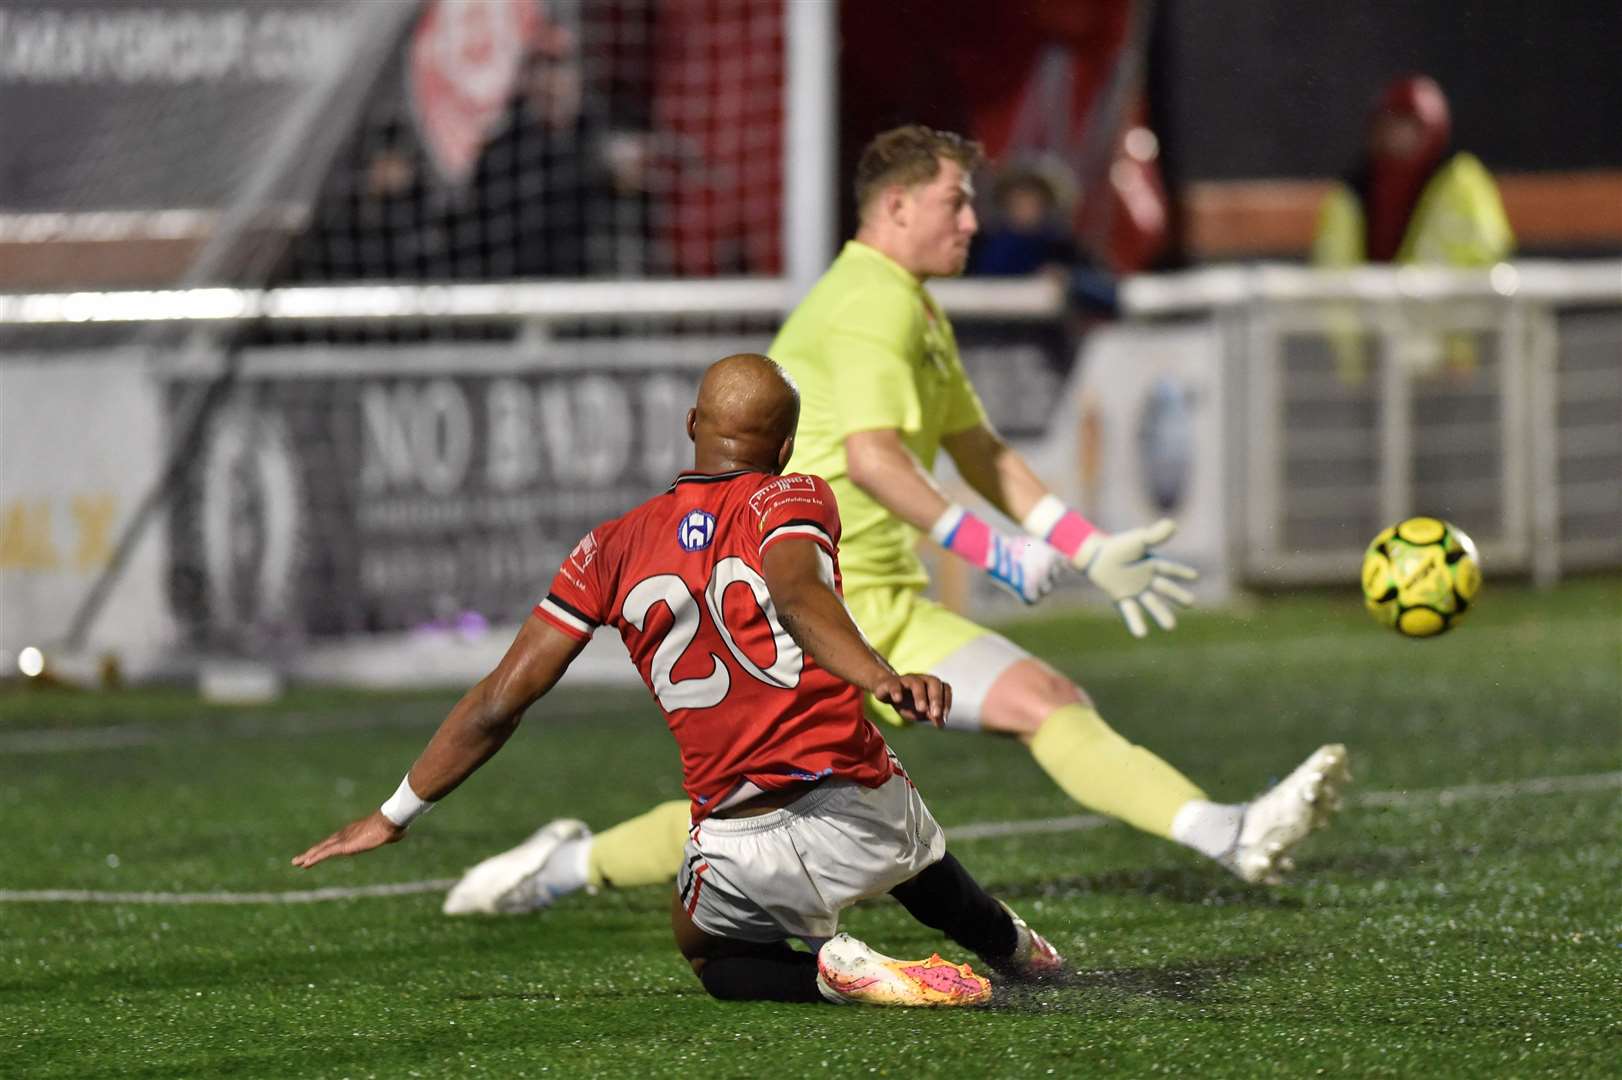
x=908, y=155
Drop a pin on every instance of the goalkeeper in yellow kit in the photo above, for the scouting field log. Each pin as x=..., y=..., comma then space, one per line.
x=882, y=391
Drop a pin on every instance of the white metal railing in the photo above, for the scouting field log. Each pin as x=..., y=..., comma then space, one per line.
x=517, y=301
x=1209, y=288
x=1145, y=296
x=1543, y=464
x=1434, y=391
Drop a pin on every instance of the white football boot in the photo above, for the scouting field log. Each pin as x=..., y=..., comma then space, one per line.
x=850, y=973
x=1280, y=819
x=513, y=882
x=1034, y=957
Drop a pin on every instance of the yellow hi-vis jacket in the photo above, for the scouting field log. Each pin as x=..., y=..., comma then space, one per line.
x=1458, y=221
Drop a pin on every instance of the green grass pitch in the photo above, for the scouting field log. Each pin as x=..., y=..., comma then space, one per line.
x=1444, y=930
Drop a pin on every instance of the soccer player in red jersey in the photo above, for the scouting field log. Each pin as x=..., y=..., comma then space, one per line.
x=725, y=590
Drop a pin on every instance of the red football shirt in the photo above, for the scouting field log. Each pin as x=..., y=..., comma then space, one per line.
x=680, y=577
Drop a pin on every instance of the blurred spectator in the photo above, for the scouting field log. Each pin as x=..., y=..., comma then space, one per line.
x=1411, y=200
x=376, y=218
x=1029, y=232
x=1029, y=229
x=555, y=193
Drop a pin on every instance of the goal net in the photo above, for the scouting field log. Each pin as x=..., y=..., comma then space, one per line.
x=507, y=140
x=375, y=308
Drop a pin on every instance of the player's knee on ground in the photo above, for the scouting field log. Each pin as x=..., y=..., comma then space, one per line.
x=735, y=970
x=1025, y=695
x=731, y=970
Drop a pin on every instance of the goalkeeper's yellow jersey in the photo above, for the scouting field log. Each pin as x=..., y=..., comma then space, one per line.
x=870, y=349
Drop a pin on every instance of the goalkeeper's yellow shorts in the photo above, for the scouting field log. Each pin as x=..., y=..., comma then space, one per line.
x=918, y=635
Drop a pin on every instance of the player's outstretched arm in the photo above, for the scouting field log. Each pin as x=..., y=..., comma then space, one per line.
x=799, y=576
x=1122, y=564
x=477, y=726
x=881, y=465
x=996, y=471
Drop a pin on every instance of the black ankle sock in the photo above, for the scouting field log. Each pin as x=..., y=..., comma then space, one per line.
x=946, y=898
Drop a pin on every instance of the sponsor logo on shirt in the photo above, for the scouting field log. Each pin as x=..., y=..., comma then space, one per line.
x=781, y=486
x=584, y=552
x=697, y=530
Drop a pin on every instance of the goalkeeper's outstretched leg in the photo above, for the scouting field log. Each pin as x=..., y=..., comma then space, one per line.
x=564, y=857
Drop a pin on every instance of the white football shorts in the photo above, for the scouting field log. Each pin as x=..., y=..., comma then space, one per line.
x=790, y=872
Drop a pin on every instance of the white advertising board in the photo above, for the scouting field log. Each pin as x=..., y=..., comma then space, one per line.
x=81, y=441
x=1140, y=435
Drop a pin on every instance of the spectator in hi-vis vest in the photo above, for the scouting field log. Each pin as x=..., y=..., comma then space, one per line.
x=1410, y=200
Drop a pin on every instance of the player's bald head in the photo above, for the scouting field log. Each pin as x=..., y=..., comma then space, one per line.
x=747, y=411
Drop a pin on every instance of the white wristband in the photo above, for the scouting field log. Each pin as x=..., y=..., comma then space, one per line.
x=1044, y=515
x=405, y=806
x=947, y=523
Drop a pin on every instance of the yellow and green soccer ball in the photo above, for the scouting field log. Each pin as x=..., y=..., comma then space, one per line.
x=1421, y=576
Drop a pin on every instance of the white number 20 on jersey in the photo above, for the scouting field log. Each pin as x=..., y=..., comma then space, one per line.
x=705, y=691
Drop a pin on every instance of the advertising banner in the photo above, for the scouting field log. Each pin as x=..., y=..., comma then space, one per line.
x=367, y=491
x=159, y=103
x=1136, y=433
x=1144, y=429
x=81, y=439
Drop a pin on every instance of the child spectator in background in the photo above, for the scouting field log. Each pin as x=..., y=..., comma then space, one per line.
x=1029, y=232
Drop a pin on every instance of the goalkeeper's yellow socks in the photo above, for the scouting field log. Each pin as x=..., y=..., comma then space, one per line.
x=1099, y=769
x=644, y=850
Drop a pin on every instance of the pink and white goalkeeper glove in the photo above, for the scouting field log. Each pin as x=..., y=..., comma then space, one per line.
x=1120, y=564
x=1024, y=567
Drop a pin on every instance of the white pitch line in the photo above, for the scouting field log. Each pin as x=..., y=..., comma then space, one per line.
x=1509, y=789
x=70, y=740
x=118, y=737
x=67, y=740
x=296, y=896
x=986, y=830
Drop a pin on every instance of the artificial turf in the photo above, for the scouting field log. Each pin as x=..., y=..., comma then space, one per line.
x=1445, y=931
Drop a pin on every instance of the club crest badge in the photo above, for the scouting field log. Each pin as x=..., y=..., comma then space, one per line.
x=697, y=530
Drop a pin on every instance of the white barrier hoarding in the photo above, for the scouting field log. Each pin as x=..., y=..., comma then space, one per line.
x=1139, y=435
x=81, y=440
x=1136, y=433
x=361, y=514
x=1150, y=422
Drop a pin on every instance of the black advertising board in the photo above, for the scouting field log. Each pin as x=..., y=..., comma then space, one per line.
x=363, y=491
